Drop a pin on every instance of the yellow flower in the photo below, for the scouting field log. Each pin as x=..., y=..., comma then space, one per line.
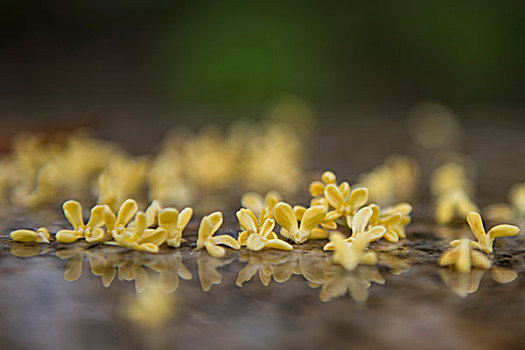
x=139, y=237
x=115, y=225
x=451, y=203
x=91, y=231
x=39, y=236
x=285, y=217
x=517, y=197
x=316, y=188
x=174, y=223
x=258, y=236
x=449, y=177
x=256, y=203
x=328, y=222
x=394, y=219
x=351, y=254
x=486, y=239
x=346, y=203
x=209, y=225
x=359, y=225
x=463, y=256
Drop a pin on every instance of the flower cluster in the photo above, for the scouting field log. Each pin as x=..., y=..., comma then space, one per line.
x=128, y=227
x=465, y=253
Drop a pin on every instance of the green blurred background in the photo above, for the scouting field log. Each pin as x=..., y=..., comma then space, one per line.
x=68, y=57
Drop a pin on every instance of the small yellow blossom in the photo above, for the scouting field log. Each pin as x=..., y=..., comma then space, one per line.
x=174, y=223
x=258, y=236
x=486, y=239
x=91, y=231
x=393, y=218
x=455, y=201
x=139, y=237
x=115, y=225
x=39, y=236
x=346, y=204
x=316, y=188
x=463, y=256
x=517, y=197
x=359, y=226
x=286, y=218
x=256, y=203
x=328, y=222
x=351, y=254
x=209, y=225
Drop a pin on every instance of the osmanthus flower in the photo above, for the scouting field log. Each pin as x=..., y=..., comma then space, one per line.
x=486, y=239
x=256, y=203
x=452, y=203
x=92, y=231
x=346, y=204
x=463, y=255
x=257, y=236
x=286, y=218
x=328, y=222
x=174, y=223
x=351, y=254
x=116, y=224
x=517, y=197
x=316, y=188
x=209, y=225
x=29, y=236
x=139, y=237
x=359, y=225
x=393, y=218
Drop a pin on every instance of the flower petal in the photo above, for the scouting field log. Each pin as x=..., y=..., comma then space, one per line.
x=73, y=214
x=247, y=220
x=126, y=212
x=361, y=219
x=67, y=236
x=334, y=196
x=358, y=197
x=227, y=240
x=184, y=218
x=476, y=226
x=214, y=250
x=503, y=231
x=312, y=217
x=255, y=242
x=278, y=244
x=285, y=217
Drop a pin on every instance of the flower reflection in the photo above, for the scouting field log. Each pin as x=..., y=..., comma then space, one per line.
x=75, y=255
x=207, y=267
x=464, y=284
x=338, y=281
x=22, y=250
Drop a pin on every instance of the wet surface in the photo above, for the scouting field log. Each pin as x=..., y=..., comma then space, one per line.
x=80, y=296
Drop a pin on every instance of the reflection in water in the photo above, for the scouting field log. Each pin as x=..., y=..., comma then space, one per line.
x=207, y=266
x=166, y=270
x=464, y=284
x=339, y=281
x=23, y=250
